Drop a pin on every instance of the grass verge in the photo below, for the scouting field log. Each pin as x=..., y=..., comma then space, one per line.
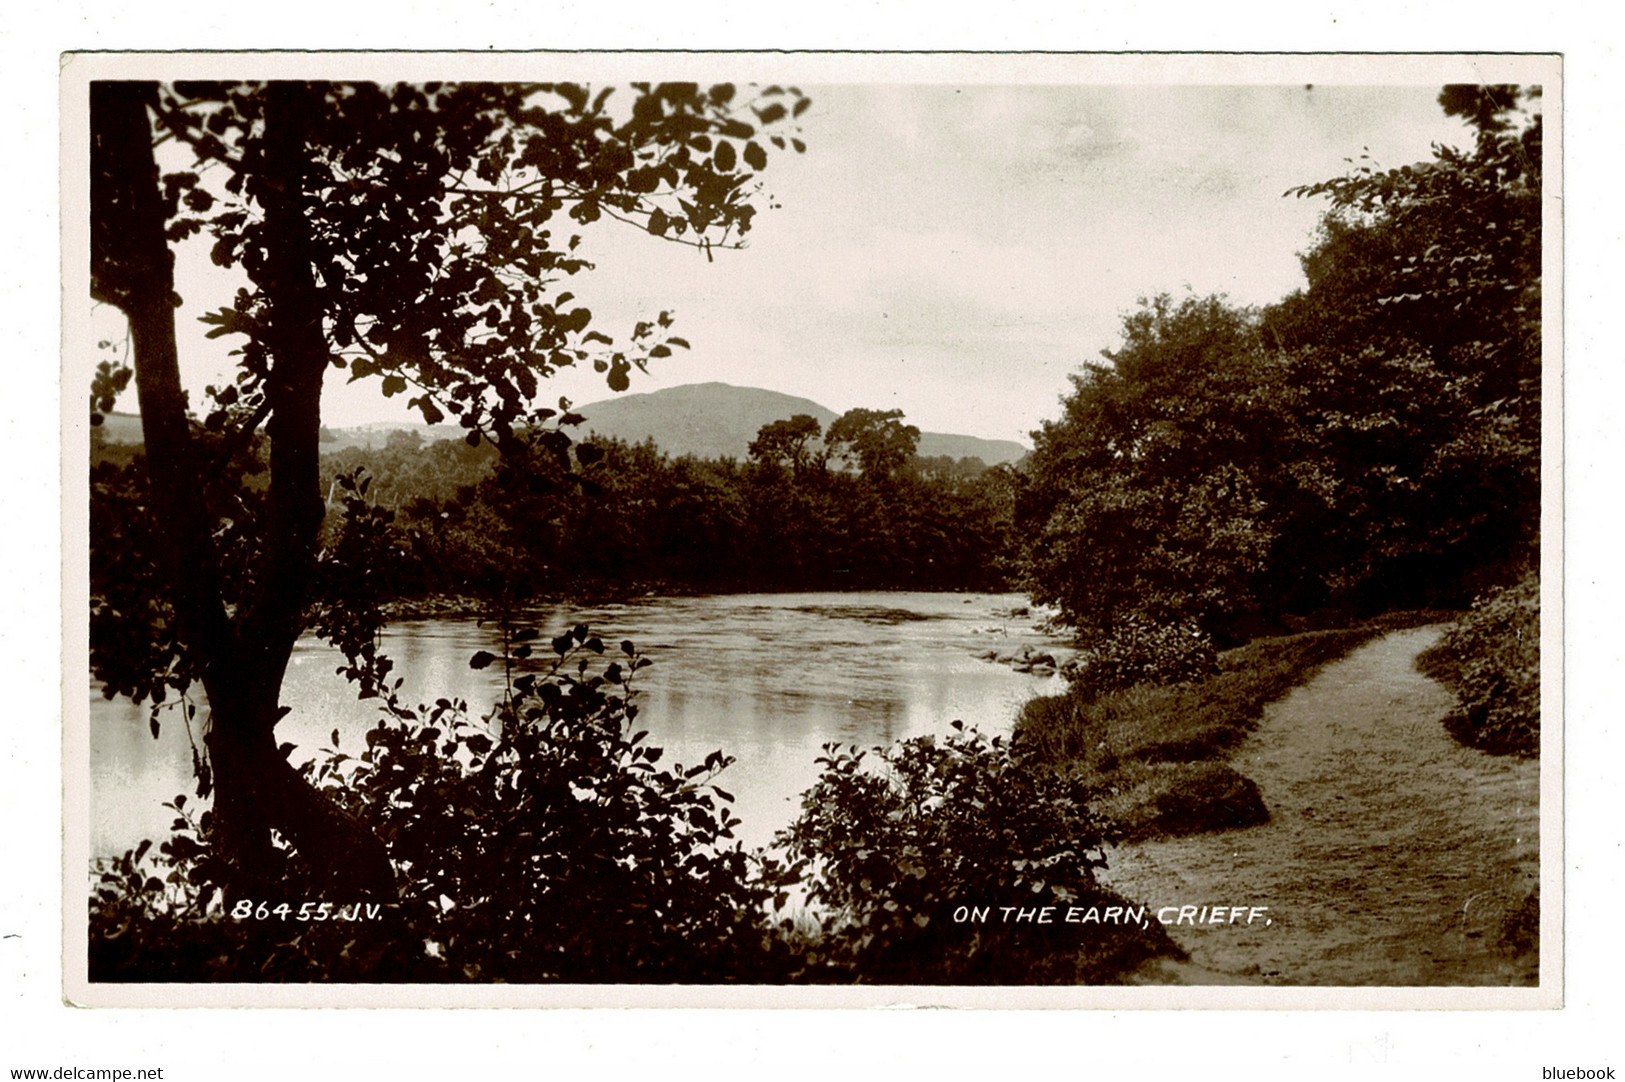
x=1158, y=751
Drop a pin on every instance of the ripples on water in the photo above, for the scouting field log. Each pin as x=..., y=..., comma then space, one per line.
x=768, y=678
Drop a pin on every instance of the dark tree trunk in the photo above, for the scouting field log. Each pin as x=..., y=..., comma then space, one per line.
x=132, y=269
x=242, y=658
x=256, y=790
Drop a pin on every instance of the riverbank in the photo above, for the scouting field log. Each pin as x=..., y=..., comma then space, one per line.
x=1314, y=776
x=1392, y=855
x=606, y=592
x=1161, y=753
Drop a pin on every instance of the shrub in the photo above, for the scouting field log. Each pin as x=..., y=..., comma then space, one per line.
x=547, y=841
x=898, y=845
x=540, y=843
x=1491, y=661
x=1141, y=651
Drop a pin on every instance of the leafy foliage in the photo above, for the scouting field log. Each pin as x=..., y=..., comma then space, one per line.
x=1491, y=661
x=788, y=442
x=611, y=518
x=543, y=842
x=877, y=442
x=443, y=215
x=434, y=255
x=106, y=385
x=1445, y=253
x=131, y=624
x=896, y=841
x=547, y=841
x=1138, y=652
x=1422, y=326
x=1150, y=498
x=416, y=234
x=136, y=646
x=1369, y=443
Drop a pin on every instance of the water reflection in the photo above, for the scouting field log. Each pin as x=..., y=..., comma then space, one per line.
x=767, y=678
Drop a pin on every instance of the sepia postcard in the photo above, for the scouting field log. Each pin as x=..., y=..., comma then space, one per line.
x=812, y=530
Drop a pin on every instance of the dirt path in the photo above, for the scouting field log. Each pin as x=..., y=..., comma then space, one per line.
x=1393, y=853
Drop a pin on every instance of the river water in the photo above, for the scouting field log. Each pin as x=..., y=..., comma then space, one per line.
x=767, y=678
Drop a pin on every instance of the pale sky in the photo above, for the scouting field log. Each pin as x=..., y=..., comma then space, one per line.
x=956, y=251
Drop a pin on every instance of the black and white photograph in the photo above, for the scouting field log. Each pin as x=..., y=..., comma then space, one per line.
x=801, y=529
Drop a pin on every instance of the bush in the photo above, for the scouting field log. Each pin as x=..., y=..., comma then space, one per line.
x=540, y=843
x=1491, y=661
x=546, y=842
x=1140, y=651
x=898, y=844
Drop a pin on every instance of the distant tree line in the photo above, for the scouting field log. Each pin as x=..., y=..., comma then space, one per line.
x=850, y=508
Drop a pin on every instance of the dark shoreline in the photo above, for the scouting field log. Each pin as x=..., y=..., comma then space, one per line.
x=463, y=606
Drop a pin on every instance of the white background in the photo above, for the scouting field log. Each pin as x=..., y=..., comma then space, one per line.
x=37, y=1030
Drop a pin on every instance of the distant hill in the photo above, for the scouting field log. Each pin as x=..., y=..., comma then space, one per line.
x=707, y=420
x=126, y=428
x=120, y=427
x=718, y=420
x=375, y=434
